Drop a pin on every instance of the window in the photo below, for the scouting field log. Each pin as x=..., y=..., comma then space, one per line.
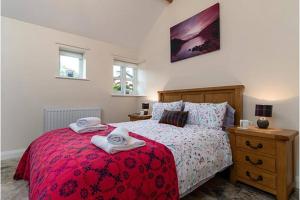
x=124, y=78
x=71, y=64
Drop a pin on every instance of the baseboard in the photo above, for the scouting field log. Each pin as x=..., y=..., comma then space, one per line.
x=5, y=155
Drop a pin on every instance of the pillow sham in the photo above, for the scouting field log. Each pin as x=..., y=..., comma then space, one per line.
x=229, y=117
x=176, y=118
x=208, y=115
x=158, y=108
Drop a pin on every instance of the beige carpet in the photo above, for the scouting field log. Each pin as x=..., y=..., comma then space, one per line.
x=215, y=189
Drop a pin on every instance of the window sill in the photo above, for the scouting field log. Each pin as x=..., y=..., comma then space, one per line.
x=127, y=95
x=69, y=78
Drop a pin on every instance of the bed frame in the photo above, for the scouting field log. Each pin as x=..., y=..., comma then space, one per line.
x=232, y=94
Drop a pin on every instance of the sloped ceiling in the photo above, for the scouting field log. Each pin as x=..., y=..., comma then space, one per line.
x=121, y=22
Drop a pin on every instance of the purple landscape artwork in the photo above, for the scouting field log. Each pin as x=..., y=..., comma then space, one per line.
x=197, y=35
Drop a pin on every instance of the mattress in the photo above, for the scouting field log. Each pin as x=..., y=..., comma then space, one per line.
x=199, y=152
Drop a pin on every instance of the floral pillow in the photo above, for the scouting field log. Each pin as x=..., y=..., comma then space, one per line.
x=208, y=115
x=158, y=108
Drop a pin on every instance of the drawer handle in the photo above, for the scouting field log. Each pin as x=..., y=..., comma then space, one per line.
x=258, y=146
x=258, y=162
x=259, y=178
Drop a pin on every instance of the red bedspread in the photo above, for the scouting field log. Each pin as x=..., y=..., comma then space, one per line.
x=62, y=164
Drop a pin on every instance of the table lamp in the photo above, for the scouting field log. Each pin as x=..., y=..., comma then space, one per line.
x=145, y=107
x=263, y=111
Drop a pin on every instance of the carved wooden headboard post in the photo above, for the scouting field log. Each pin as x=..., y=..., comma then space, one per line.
x=232, y=94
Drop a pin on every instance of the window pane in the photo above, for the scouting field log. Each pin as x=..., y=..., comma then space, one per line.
x=117, y=86
x=129, y=87
x=69, y=66
x=116, y=71
x=129, y=72
x=124, y=77
x=71, y=54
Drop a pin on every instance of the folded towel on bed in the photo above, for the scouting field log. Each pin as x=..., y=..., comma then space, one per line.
x=101, y=142
x=88, y=121
x=119, y=136
x=77, y=129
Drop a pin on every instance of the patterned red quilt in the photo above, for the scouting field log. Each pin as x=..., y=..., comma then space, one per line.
x=62, y=164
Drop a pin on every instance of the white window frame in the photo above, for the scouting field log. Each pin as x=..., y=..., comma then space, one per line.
x=82, y=63
x=123, y=65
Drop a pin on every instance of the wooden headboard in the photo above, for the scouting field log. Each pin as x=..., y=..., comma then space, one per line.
x=232, y=94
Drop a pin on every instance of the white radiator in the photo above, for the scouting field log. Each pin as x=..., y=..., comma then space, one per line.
x=60, y=118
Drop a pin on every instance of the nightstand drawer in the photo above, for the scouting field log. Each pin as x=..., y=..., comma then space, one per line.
x=262, y=162
x=256, y=177
x=256, y=144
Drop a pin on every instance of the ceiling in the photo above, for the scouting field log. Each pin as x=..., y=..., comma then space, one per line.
x=121, y=22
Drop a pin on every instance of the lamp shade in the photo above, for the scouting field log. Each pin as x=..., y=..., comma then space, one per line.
x=145, y=105
x=263, y=110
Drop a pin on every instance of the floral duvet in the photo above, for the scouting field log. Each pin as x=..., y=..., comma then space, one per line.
x=199, y=152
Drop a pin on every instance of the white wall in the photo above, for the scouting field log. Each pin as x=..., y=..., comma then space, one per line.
x=29, y=66
x=259, y=49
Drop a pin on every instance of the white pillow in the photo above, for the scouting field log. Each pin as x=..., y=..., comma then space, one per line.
x=208, y=115
x=158, y=108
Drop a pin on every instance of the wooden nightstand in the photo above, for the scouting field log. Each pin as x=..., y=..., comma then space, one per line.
x=137, y=116
x=264, y=158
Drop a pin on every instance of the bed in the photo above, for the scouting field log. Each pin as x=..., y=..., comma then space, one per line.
x=218, y=154
x=63, y=165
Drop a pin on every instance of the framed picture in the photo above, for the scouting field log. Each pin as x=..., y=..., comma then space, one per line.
x=197, y=35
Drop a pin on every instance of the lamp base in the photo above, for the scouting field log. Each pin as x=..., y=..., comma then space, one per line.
x=263, y=123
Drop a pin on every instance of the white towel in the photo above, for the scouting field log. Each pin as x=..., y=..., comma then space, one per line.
x=101, y=142
x=88, y=121
x=119, y=136
x=78, y=129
